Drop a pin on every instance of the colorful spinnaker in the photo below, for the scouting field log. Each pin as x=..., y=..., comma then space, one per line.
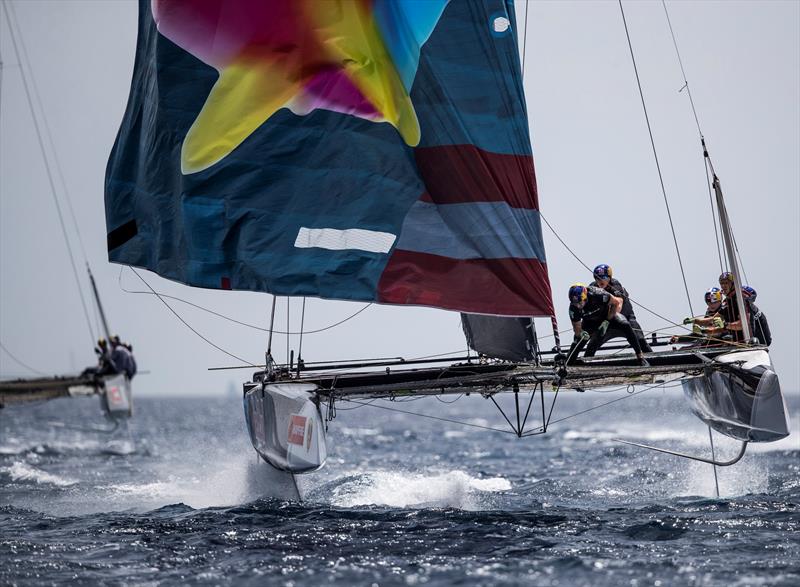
x=371, y=150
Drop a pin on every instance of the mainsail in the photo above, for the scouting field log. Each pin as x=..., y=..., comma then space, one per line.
x=358, y=150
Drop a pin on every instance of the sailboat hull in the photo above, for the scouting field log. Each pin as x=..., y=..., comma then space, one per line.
x=116, y=397
x=743, y=400
x=285, y=426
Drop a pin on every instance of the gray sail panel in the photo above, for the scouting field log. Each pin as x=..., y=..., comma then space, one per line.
x=499, y=337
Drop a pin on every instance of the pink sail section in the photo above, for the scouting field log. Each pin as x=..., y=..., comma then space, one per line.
x=465, y=183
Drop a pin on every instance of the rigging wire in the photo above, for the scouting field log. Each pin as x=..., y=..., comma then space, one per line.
x=501, y=430
x=391, y=409
x=16, y=360
x=579, y=260
x=683, y=71
x=706, y=156
x=699, y=131
x=566, y=246
x=525, y=39
x=655, y=155
x=49, y=137
x=302, y=324
x=288, y=306
x=714, y=217
x=738, y=255
x=185, y=323
x=11, y=27
x=233, y=320
x=613, y=401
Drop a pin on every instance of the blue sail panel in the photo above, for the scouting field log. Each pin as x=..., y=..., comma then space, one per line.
x=297, y=148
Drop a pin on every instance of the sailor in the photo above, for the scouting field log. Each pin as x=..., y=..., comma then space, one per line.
x=758, y=318
x=596, y=318
x=122, y=357
x=604, y=279
x=730, y=307
x=105, y=363
x=703, y=326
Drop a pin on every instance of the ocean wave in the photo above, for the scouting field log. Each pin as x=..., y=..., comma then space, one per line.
x=454, y=489
x=23, y=472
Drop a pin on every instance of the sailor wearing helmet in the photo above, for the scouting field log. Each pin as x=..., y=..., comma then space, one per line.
x=595, y=316
x=710, y=325
x=760, y=326
x=730, y=307
x=604, y=279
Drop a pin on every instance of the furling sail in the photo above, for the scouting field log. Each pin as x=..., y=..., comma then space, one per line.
x=358, y=150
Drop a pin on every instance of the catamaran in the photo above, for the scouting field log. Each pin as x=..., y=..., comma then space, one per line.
x=377, y=151
x=112, y=386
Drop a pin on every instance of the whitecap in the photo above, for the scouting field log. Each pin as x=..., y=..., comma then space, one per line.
x=454, y=489
x=20, y=471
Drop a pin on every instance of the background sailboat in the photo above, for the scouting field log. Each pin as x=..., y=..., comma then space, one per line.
x=115, y=365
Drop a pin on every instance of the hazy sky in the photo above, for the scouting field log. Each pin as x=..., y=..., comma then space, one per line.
x=597, y=182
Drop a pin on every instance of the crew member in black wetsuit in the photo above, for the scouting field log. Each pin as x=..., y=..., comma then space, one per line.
x=123, y=357
x=604, y=279
x=595, y=316
x=730, y=308
x=702, y=326
x=758, y=318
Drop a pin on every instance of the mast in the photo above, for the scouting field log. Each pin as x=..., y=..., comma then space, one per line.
x=99, y=304
x=727, y=240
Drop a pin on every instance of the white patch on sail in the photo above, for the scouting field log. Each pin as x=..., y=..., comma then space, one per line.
x=501, y=24
x=341, y=240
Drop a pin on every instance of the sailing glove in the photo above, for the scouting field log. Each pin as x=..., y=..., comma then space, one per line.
x=688, y=320
x=697, y=329
x=718, y=322
x=603, y=327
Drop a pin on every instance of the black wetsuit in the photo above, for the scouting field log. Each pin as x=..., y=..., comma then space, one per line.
x=593, y=313
x=615, y=288
x=759, y=324
x=759, y=327
x=124, y=361
x=730, y=313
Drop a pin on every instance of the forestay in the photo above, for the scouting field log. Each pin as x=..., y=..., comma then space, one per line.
x=363, y=150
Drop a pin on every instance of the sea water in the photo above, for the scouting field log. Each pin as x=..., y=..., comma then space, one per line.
x=178, y=498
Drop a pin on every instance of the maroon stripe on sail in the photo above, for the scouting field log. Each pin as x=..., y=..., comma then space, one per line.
x=510, y=287
x=457, y=174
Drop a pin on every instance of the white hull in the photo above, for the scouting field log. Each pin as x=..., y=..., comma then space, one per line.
x=743, y=401
x=285, y=426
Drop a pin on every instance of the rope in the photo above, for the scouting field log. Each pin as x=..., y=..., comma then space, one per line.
x=713, y=216
x=11, y=26
x=683, y=72
x=302, y=323
x=629, y=395
x=566, y=246
x=429, y=416
x=228, y=318
x=585, y=266
x=699, y=131
x=491, y=429
x=185, y=323
x=655, y=155
x=525, y=40
x=49, y=136
x=288, y=326
x=16, y=360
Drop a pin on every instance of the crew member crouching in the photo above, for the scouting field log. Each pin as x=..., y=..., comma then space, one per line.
x=604, y=279
x=595, y=316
